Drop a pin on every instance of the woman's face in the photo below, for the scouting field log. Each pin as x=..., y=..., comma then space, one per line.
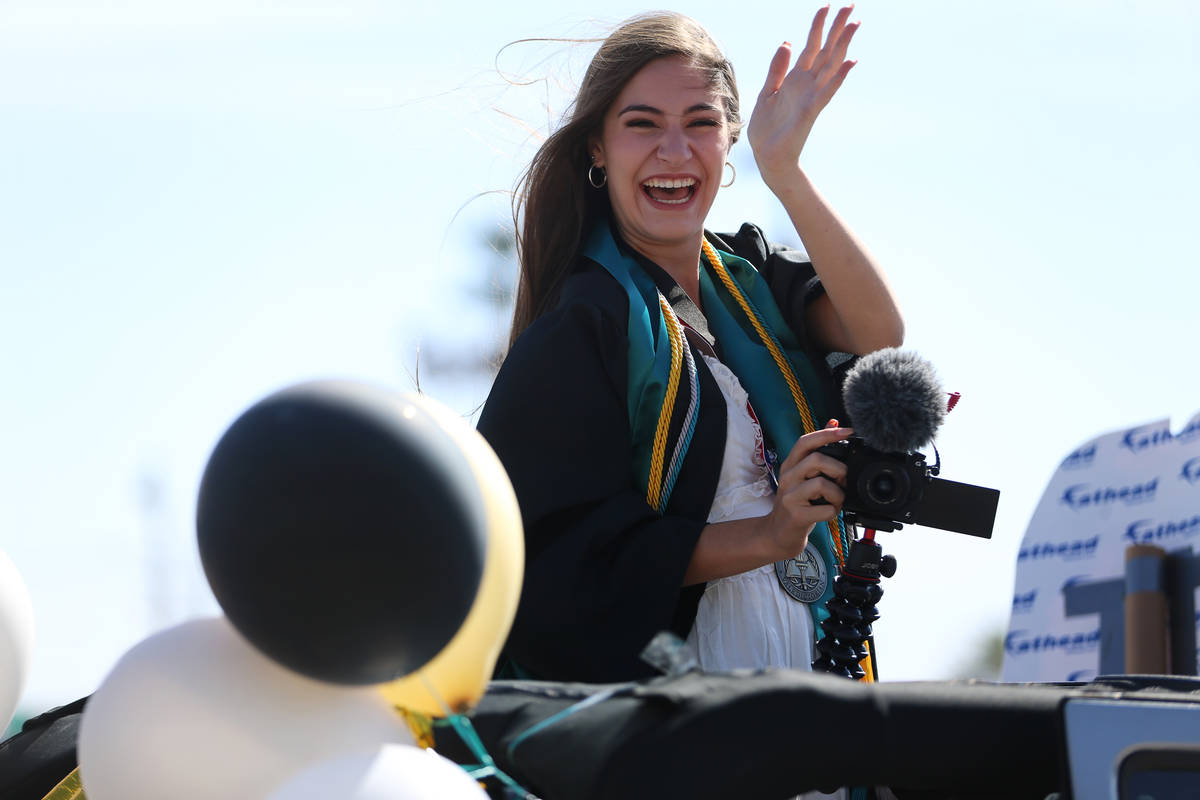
x=663, y=145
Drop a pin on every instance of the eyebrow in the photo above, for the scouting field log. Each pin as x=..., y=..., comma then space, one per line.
x=652, y=110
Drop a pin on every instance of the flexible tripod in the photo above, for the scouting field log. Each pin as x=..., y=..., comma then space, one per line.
x=852, y=609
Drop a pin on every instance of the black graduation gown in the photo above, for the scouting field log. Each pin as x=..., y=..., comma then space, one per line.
x=603, y=570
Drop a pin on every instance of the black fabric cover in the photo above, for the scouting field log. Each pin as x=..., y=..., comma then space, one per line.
x=770, y=735
x=749, y=735
x=35, y=760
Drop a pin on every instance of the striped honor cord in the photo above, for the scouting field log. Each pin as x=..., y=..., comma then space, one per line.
x=662, y=481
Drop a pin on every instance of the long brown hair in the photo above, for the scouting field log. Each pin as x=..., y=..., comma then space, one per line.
x=554, y=204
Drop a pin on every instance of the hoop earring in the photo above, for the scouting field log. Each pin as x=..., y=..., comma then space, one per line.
x=731, y=180
x=597, y=184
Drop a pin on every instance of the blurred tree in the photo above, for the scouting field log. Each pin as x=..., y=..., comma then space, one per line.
x=497, y=285
x=987, y=659
x=474, y=353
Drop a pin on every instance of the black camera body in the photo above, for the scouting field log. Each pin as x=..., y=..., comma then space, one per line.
x=878, y=484
x=887, y=490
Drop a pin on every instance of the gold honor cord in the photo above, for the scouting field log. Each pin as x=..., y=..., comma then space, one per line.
x=785, y=368
x=654, y=486
x=69, y=788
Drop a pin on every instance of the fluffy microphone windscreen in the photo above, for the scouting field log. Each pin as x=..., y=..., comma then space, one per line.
x=895, y=400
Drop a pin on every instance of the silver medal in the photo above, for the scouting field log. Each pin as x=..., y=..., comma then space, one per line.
x=804, y=578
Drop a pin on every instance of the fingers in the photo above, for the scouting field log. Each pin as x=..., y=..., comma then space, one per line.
x=838, y=56
x=812, y=500
x=798, y=509
x=815, y=465
x=810, y=488
x=813, y=45
x=810, y=442
x=816, y=58
x=777, y=71
x=831, y=88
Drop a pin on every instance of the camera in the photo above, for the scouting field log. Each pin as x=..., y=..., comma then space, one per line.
x=885, y=491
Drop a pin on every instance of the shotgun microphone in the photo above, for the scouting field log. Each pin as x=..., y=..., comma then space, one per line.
x=896, y=405
x=895, y=401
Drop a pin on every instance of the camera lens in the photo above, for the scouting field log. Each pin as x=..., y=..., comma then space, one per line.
x=884, y=485
x=882, y=489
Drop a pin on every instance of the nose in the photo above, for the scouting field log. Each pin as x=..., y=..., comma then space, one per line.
x=673, y=147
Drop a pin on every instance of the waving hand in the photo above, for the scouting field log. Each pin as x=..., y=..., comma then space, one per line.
x=790, y=100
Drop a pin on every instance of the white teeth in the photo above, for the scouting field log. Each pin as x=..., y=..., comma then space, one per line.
x=672, y=183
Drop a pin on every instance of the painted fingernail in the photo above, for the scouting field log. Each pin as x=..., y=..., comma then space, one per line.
x=833, y=423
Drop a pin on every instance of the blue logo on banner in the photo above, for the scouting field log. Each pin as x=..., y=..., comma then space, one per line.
x=1191, y=470
x=1138, y=439
x=1144, y=531
x=1081, y=496
x=1145, y=437
x=1083, y=457
x=1068, y=550
x=1190, y=432
x=1022, y=643
x=1022, y=603
x=1082, y=675
x=1071, y=581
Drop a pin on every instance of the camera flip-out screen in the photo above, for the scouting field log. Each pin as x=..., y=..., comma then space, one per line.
x=958, y=507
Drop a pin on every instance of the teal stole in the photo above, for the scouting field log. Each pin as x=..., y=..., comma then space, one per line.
x=659, y=381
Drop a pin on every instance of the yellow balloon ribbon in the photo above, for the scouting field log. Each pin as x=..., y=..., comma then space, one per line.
x=421, y=727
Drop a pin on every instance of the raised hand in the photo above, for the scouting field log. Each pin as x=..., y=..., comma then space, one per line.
x=790, y=101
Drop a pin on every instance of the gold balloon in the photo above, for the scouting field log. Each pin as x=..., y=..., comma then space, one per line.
x=459, y=674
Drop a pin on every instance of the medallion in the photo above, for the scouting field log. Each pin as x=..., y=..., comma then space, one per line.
x=804, y=578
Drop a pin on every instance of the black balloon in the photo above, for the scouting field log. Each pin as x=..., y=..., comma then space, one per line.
x=342, y=532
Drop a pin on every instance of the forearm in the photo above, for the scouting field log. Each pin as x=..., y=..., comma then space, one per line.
x=730, y=548
x=809, y=491
x=861, y=314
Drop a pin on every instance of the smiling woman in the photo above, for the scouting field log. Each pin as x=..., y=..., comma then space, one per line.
x=663, y=147
x=666, y=391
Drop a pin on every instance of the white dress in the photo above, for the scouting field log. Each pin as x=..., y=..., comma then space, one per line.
x=748, y=620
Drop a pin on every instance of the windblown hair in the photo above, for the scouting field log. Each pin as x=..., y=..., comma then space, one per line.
x=554, y=205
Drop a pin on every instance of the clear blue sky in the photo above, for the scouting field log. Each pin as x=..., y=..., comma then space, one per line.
x=201, y=202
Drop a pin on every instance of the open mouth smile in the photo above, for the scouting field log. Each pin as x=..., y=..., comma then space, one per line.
x=670, y=191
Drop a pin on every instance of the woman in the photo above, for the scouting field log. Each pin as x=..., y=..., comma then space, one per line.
x=654, y=368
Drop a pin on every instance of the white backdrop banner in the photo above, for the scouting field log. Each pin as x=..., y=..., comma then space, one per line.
x=1135, y=486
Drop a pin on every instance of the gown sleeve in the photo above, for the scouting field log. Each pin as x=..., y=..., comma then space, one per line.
x=603, y=571
x=793, y=281
x=794, y=284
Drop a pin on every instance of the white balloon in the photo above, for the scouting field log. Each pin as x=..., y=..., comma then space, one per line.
x=392, y=772
x=16, y=638
x=196, y=713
